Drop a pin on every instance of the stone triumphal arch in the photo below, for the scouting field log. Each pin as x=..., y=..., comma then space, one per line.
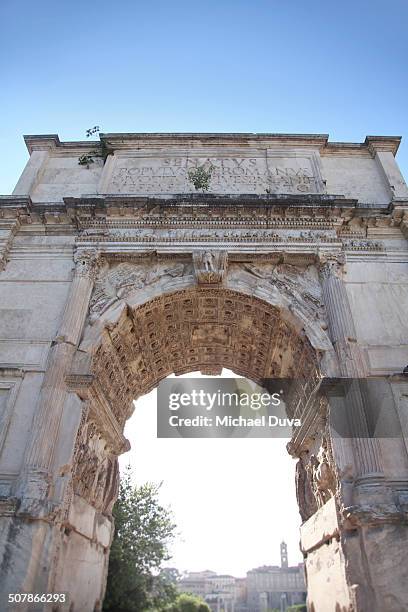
x=116, y=271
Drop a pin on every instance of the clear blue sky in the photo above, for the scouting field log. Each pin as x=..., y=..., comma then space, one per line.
x=289, y=66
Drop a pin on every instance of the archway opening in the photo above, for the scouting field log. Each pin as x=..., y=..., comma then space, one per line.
x=201, y=329
x=228, y=495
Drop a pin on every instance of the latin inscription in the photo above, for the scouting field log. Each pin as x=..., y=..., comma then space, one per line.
x=229, y=175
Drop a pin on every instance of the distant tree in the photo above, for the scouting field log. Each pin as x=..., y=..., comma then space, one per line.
x=188, y=603
x=172, y=574
x=297, y=608
x=144, y=530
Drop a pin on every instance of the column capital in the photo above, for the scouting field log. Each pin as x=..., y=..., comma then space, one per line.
x=87, y=262
x=331, y=264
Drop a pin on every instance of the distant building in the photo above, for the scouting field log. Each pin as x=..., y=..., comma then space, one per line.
x=222, y=595
x=264, y=588
x=240, y=594
x=271, y=586
x=196, y=583
x=220, y=591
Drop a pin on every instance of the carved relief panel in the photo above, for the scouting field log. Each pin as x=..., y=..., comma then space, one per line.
x=117, y=281
x=95, y=474
x=316, y=478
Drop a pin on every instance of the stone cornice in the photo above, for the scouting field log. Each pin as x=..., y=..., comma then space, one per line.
x=369, y=147
x=48, y=142
x=118, y=141
x=178, y=201
x=101, y=214
x=15, y=202
x=199, y=208
x=210, y=199
x=383, y=143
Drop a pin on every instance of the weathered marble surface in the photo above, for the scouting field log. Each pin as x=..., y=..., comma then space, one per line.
x=241, y=163
x=101, y=297
x=277, y=170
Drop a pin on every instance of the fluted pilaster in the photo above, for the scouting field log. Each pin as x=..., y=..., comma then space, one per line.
x=340, y=319
x=86, y=268
x=45, y=431
x=351, y=363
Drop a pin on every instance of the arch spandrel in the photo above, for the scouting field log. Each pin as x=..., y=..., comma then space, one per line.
x=295, y=291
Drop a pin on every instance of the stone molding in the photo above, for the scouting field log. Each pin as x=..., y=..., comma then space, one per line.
x=8, y=229
x=158, y=140
x=304, y=222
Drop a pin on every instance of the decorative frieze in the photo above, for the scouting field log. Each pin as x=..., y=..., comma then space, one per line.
x=212, y=234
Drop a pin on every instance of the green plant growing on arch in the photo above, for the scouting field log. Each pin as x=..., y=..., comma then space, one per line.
x=200, y=177
x=89, y=158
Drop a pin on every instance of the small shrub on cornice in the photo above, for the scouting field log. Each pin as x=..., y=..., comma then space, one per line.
x=86, y=159
x=89, y=158
x=200, y=177
x=92, y=131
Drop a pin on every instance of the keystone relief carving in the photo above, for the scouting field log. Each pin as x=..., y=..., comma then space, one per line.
x=210, y=266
